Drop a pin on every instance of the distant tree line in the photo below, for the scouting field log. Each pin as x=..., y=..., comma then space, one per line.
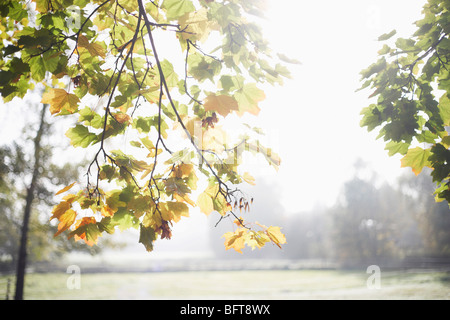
x=370, y=223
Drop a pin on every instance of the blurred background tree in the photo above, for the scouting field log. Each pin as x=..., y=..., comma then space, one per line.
x=31, y=160
x=372, y=222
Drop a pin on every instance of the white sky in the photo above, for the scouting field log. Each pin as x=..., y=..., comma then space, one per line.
x=316, y=114
x=313, y=120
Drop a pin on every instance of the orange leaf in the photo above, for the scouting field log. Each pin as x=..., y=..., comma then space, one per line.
x=122, y=118
x=60, y=209
x=65, y=189
x=222, y=104
x=67, y=219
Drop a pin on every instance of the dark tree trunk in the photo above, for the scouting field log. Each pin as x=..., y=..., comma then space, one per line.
x=22, y=257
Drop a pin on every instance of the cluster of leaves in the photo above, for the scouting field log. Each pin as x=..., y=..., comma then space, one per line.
x=411, y=82
x=108, y=50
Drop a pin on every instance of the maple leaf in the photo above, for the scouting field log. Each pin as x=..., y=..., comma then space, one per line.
x=235, y=240
x=212, y=200
x=257, y=239
x=177, y=210
x=66, y=221
x=197, y=25
x=184, y=198
x=147, y=236
x=94, y=48
x=86, y=229
x=249, y=179
x=183, y=170
x=59, y=209
x=248, y=98
x=122, y=118
x=276, y=236
x=205, y=203
x=416, y=158
x=65, y=189
x=221, y=104
x=59, y=100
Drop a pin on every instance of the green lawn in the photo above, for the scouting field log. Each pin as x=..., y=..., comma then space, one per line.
x=295, y=284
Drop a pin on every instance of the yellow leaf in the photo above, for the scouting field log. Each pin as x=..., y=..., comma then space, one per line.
x=276, y=236
x=94, y=48
x=197, y=25
x=212, y=200
x=184, y=198
x=59, y=209
x=65, y=189
x=60, y=99
x=153, y=153
x=178, y=210
x=235, y=240
x=183, y=170
x=248, y=178
x=205, y=203
x=107, y=211
x=214, y=139
x=70, y=198
x=257, y=239
x=221, y=104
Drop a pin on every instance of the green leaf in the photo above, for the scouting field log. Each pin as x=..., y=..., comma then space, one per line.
x=416, y=158
x=37, y=68
x=177, y=8
x=248, y=98
x=387, y=36
x=405, y=44
x=81, y=137
x=169, y=74
x=124, y=219
x=287, y=59
x=147, y=236
x=444, y=109
x=397, y=147
x=374, y=68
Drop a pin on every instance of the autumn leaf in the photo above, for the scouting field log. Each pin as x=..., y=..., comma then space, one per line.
x=416, y=158
x=122, y=118
x=66, y=221
x=94, y=48
x=176, y=210
x=235, y=240
x=184, y=198
x=183, y=170
x=248, y=98
x=65, y=189
x=276, y=236
x=133, y=92
x=205, y=203
x=147, y=236
x=222, y=104
x=248, y=178
x=86, y=229
x=257, y=239
x=197, y=25
x=59, y=100
x=60, y=209
x=212, y=200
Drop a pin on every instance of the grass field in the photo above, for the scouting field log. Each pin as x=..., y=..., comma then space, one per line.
x=276, y=284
